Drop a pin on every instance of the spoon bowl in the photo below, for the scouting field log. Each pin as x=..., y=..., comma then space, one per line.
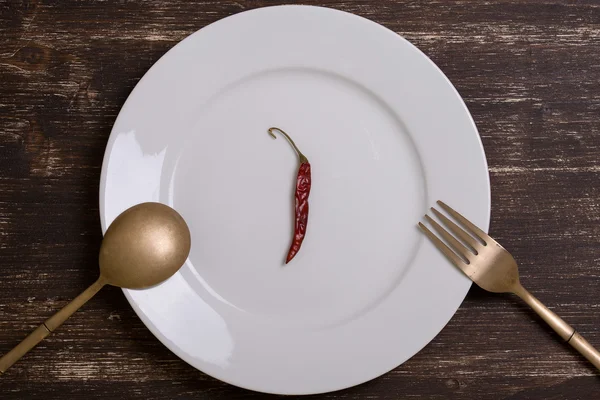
x=144, y=246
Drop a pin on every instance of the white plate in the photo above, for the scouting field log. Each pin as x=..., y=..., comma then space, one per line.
x=387, y=135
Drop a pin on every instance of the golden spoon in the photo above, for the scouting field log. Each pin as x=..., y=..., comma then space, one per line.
x=143, y=246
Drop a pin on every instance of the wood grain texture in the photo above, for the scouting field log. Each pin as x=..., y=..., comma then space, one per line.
x=529, y=72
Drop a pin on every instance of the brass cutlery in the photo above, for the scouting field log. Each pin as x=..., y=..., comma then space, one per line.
x=494, y=269
x=145, y=245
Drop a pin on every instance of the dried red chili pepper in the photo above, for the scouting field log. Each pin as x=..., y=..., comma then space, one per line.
x=303, y=184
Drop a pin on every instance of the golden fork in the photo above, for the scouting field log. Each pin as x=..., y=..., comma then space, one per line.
x=494, y=269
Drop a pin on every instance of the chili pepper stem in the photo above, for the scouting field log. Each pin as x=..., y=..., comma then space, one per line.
x=303, y=159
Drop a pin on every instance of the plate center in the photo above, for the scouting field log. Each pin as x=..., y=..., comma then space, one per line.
x=234, y=185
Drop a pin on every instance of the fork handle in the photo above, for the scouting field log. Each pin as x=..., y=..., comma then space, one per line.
x=564, y=330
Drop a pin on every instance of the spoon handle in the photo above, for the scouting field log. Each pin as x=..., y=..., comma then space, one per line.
x=51, y=324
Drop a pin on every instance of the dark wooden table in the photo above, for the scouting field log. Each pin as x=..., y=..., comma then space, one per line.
x=530, y=74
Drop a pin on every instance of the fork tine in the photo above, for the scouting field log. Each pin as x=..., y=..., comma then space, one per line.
x=456, y=260
x=466, y=223
x=457, y=246
x=458, y=231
